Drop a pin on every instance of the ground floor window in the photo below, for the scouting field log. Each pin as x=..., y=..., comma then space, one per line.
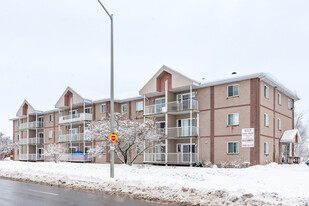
x=73, y=149
x=232, y=148
x=265, y=147
x=87, y=149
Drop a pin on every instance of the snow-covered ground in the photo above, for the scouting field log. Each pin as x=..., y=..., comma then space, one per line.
x=258, y=185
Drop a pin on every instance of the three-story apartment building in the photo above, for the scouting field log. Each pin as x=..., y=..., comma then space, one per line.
x=201, y=121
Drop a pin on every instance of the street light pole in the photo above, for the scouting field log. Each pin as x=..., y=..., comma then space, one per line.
x=111, y=90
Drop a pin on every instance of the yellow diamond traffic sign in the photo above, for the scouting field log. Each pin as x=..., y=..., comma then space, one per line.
x=113, y=137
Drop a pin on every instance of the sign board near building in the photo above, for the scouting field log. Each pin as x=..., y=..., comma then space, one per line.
x=247, y=137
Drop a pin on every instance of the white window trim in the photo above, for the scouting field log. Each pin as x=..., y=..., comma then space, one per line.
x=279, y=99
x=85, y=149
x=266, y=95
x=142, y=106
x=228, y=119
x=88, y=108
x=50, y=134
x=126, y=108
x=227, y=147
x=279, y=124
x=51, y=118
x=101, y=108
x=289, y=104
x=233, y=91
x=191, y=120
x=267, y=151
x=266, y=124
x=71, y=147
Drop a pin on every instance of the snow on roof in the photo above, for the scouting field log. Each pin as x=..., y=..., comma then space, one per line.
x=266, y=77
x=289, y=136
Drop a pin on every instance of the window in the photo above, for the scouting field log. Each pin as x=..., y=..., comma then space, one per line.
x=123, y=108
x=266, y=124
x=51, y=118
x=87, y=149
x=178, y=149
x=88, y=110
x=103, y=150
x=138, y=149
x=17, y=151
x=233, y=90
x=232, y=147
x=233, y=119
x=139, y=106
x=279, y=98
x=103, y=108
x=265, y=147
x=279, y=124
x=18, y=137
x=73, y=149
x=18, y=123
x=266, y=91
x=289, y=104
x=50, y=133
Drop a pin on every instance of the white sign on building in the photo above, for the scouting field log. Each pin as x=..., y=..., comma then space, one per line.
x=247, y=137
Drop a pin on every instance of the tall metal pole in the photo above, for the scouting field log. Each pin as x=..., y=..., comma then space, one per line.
x=111, y=91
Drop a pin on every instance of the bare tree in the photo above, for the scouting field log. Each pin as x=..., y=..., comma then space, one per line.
x=6, y=146
x=54, y=152
x=132, y=135
x=303, y=127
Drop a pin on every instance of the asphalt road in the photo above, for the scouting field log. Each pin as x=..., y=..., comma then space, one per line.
x=23, y=194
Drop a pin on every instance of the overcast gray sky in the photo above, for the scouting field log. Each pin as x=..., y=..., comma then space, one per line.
x=47, y=45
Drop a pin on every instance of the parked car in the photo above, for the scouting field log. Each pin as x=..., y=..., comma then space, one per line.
x=307, y=163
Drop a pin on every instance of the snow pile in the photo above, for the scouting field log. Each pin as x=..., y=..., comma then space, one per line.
x=259, y=185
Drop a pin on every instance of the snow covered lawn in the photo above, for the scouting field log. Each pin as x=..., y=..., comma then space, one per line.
x=258, y=185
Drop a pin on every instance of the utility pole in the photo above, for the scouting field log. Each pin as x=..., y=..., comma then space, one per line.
x=111, y=90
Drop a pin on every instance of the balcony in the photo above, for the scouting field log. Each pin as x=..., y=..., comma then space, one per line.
x=79, y=137
x=31, y=125
x=31, y=157
x=172, y=107
x=75, y=118
x=179, y=132
x=67, y=157
x=33, y=140
x=172, y=158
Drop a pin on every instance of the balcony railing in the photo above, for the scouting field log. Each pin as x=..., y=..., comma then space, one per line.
x=31, y=125
x=79, y=137
x=31, y=157
x=171, y=107
x=172, y=158
x=179, y=131
x=182, y=131
x=33, y=140
x=75, y=118
x=65, y=157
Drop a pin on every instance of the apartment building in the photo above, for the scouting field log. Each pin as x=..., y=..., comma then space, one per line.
x=201, y=121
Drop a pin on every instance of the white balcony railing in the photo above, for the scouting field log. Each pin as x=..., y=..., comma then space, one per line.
x=31, y=157
x=182, y=131
x=32, y=140
x=67, y=157
x=31, y=125
x=172, y=158
x=179, y=131
x=79, y=137
x=75, y=118
x=171, y=107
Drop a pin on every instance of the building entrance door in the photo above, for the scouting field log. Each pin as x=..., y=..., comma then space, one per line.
x=284, y=154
